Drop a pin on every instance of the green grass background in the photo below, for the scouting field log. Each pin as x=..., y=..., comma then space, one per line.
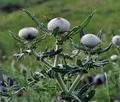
x=107, y=19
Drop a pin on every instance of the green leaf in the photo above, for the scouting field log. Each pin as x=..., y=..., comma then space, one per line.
x=106, y=49
x=90, y=95
x=87, y=20
x=79, y=62
x=81, y=33
x=66, y=69
x=83, y=90
x=55, y=31
x=57, y=69
x=16, y=38
x=76, y=98
x=39, y=24
x=66, y=56
x=80, y=28
x=99, y=34
x=84, y=71
x=74, y=31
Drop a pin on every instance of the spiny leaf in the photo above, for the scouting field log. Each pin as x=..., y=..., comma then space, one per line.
x=76, y=98
x=87, y=20
x=79, y=62
x=14, y=37
x=66, y=56
x=39, y=24
x=106, y=49
x=79, y=28
x=81, y=33
x=43, y=37
x=99, y=34
x=84, y=89
x=90, y=95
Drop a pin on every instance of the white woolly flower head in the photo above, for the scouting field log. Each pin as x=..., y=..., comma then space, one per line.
x=28, y=33
x=116, y=40
x=100, y=79
x=62, y=23
x=90, y=40
x=114, y=57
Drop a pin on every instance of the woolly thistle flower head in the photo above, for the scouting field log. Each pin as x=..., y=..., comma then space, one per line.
x=114, y=57
x=28, y=33
x=100, y=79
x=116, y=40
x=62, y=23
x=90, y=40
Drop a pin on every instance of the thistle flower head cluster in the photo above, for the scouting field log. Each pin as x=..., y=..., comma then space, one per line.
x=59, y=71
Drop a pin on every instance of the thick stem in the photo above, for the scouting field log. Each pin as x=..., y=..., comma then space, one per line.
x=75, y=84
x=47, y=63
x=58, y=76
x=78, y=78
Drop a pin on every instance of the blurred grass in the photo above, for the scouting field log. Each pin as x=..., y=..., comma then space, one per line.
x=107, y=19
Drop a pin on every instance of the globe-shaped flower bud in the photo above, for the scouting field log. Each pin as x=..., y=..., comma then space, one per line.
x=114, y=57
x=28, y=33
x=62, y=23
x=90, y=40
x=116, y=40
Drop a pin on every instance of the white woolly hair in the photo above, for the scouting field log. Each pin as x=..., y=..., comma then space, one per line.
x=114, y=57
x=116, y=40
x=62, y=23
x=90, y=40
x=28, y=31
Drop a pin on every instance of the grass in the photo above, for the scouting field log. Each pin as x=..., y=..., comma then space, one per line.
x=106, y=19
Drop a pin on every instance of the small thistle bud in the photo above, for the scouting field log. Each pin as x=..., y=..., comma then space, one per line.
x=116, y=40
x=62, y=23
x=90, y=40
x=114, y=57
x=37, y=75
x=100, y=79
x=28, y=33
x=74, y=52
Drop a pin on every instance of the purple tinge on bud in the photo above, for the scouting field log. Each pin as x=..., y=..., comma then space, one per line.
x=28, y=33
x=10, y=81
x=1, y=80
x=100, y=79
x=90, y=79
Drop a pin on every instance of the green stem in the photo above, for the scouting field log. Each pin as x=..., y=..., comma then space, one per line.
x=107, y=85
x=44, y=61
x=77, y=80
x=58, y=76
x=47, y=63
x=75, y=84
x=107, y=90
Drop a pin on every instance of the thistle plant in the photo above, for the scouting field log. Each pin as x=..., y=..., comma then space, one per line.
x=70, y=70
